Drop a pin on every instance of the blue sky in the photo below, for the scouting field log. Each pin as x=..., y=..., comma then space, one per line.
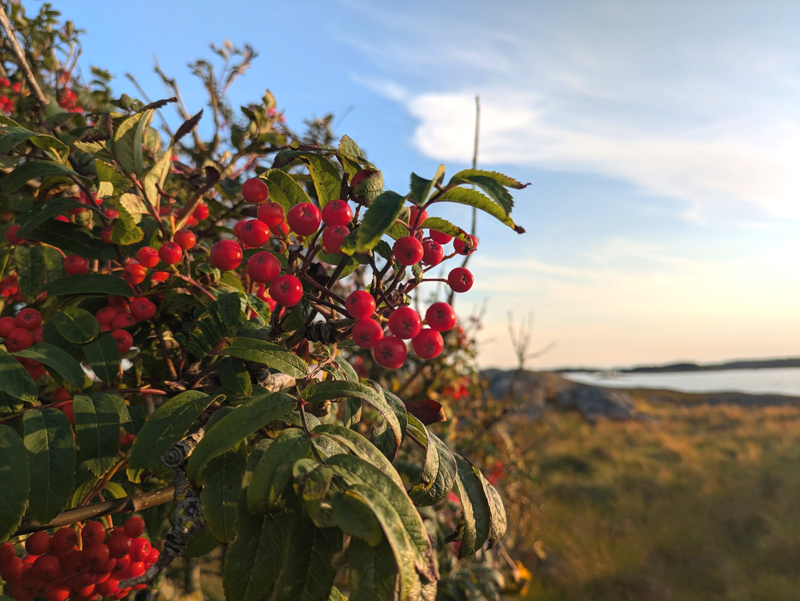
x=662, y=142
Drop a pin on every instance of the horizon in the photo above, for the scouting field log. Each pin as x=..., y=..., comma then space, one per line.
x=662, y=217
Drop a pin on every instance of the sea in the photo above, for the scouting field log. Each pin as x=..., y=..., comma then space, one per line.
x=754, y=381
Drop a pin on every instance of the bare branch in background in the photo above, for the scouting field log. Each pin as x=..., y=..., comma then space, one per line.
x=11, y=35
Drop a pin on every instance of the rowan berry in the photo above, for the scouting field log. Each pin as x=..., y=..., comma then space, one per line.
x=440, y=237
x=105, y=233
x=46, y=567
x=440, y=317
x=111, y=213
x=201, y=211
x=360, y=304
x=271, y=213
x=93, y=532
x=106, y=315
x=29, y=318
x=7, y=553
x=38, y=543
x=65, y=538
x=124, y=320
x=427, y=344
x=143, y=309
x=134, y=526
x=390, y=352
x=463, y=248
x=38, y=334
x=170, y=253
x=286, y=290
x=147, y=256
x=255, y=190
x=57, y=593
x=263, y=266
x=408, y=250
x=332, y=238
x=123, y=339
x=12, y=570
x=255, y=233
x=304, y=219
x=337, y=212
x=19, y=340
x=7, y=325
x=134, y=273
x=460, y=279
x=75, y=264
x=367, y=333
x=97, y=553
x=185, y=239
x=405, y=323
x=417, y=218
x=226, y=255
x=11, y=235
x=432, y=253
x=140, y=549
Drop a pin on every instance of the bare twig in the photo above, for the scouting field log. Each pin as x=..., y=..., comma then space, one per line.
x=23, y=64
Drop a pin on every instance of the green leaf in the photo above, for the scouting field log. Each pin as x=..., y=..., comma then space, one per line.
x=128, y=139
x=336, y=595
x=12, y=136
x=476, y=516
x=473, y=198
x=284, y=189
x=58, y=360
x=14, y=481
x=349, y=148
x=327, y=181
x=90, y=283
x=312, y=482
x=156, y=176
x=108, y=173
x=234, y=427
x=97, y=424
x=166, y=426
x=44, y=211
x=16, y=381
x=208, y=332
x=221, y=493
x=269, y=354
x=421, y=187
x=377, y=220
x=102, y=353
x=373, y=571
x=74, y=239
x=323, y=391
x=134, y=205
x=274, y=470
x=51, y=461
x=438, y=472
x=36, y=170
x=235, y=377
x=125, y=230
x=35, y=266
x=499, y=523
x=262, y=310
x=444, y=226
x=478, y=176
x=76, y=325
x=360, y=447
x=229, y=305
x=355, y=517
x=202, y=542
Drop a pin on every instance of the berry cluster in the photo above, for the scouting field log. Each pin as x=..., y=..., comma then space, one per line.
x=81, y=567
x=23, y=331
x=124, y=313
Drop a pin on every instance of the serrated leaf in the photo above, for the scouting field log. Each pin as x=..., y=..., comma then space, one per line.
x=499, y=523
x=421, y=188
x=274, y=470
x=12, y=136
x=76, y=325
x=90, y=283
x=16, y=381
x=134, y=204
x=97, y=424
x=51, y=461
x=102, y=354
x=36, y=265
x=235, y=377
x=74, y=239
x=377, y=220
x=208, y=332
x=58, y=360
x=45, y=211
x=128, y=139
x=229, y=305
x=269, y=354
x=237, y=425
x=444, y=226
x=261, y=309
x=14, y=481
x=24, y=173
x=125, y=230
x=156, y=176
x=109, y=174
x=221, y=493
x=349, y=148
x=473, y=198
x=440, y=461
x=284, y=189
x=360, y=447
x=166, y=426
x=475, y=521
x=373, y=571
x=355, y=517
x=327, y=181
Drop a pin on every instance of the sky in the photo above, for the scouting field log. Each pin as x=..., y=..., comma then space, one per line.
x=661, y=141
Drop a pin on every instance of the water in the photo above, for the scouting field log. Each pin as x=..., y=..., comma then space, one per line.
x=753, y=381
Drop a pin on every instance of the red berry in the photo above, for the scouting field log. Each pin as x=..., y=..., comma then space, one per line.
x=111, y=213
x=460, y=279
x=360, y=304
x=170, y=253
x=390, y=352
x=136, y=568
x=140, y=549
x=38, y=334
x=108, y=587
x=7, y=553
x=12, y=570
x=38, y=543
x=201, y=211
x=405, y=323
x=7, y=325
x=124, y=340
x=367, y=333
x=65, y=538
x=134, y=526
x=192, y=221
x=121, y=565
x=143, y=309
x=440, y=237
x=35, y=370
x=106, y=315
x=63, y=218
x=124, y=320
x=440, y=317
x=271, y=213
x=11, y=235
x=105, y=233
x=226, y=255
x=185, y=239
x=432, y=253
x=237, y=229
x=462, y=248
x=68, y=411
x=152, y=558
x=97, y=553
x=427, y=344
x=255, y=190
x=337, y=212
x=164, y=210
x=58, y=593
x=333, y=237
x=73, y=563
x=408, y=250
x=93, y=532
x=279, y=230
x=30, y=319
x=46, y=567
x=263, y=266
x=255, y=233
x=61, y=394
x=417, y=217
x=159, y=276
x=133, y=273
x=85, y=593
x=75, y=264
x=103, y=570
x=304, y=219
x=286, y=290
x=360, y=177
x=147, y=256
x=19, y=340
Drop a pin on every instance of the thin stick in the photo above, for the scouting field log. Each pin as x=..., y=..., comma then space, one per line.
x=23, y=64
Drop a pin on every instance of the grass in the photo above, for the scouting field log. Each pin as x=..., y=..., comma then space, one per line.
x=693, y=503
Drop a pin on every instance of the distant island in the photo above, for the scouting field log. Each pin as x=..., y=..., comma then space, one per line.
x=673, y=367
